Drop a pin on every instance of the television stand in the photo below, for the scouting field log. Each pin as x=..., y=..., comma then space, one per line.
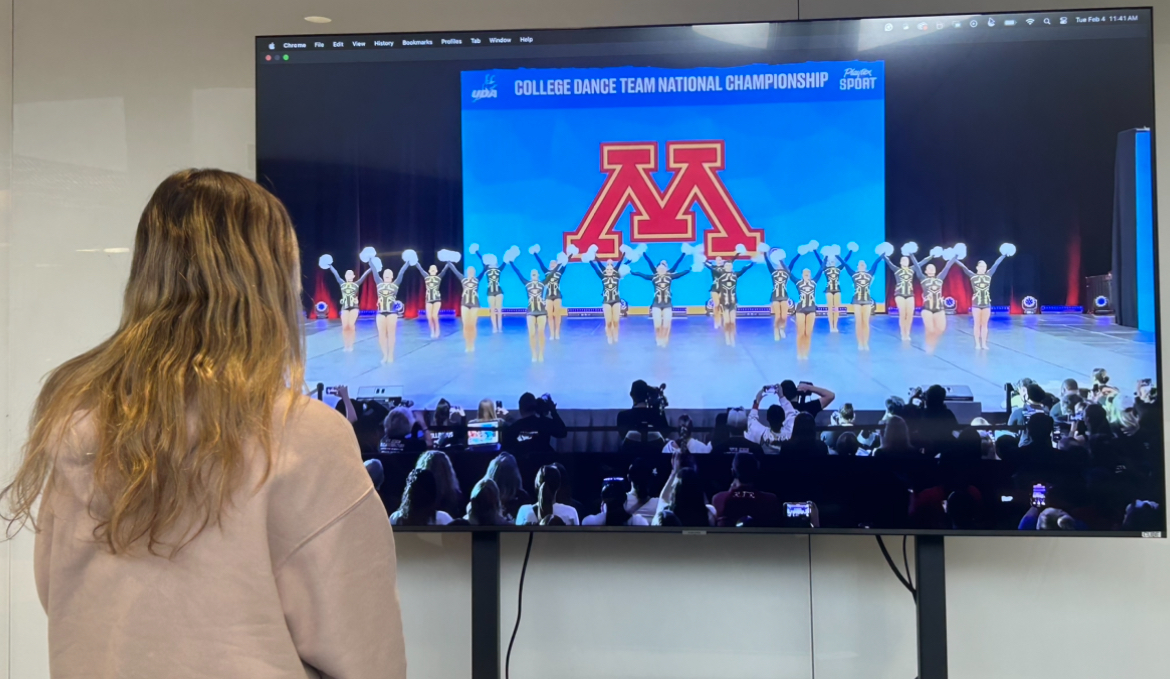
x=931, y=583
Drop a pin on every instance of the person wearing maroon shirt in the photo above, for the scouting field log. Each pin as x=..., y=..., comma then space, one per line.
x=743, y=500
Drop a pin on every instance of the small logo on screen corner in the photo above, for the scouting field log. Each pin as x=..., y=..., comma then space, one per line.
x=488, y=91
x=1151, y=534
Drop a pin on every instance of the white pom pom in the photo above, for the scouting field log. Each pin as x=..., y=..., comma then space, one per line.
x=366, y=254
x=687, y=248
x=624, y=270
x=573, y=250
x=376, y=264
x=634, y=254
x=697, y=265
x=886, y=249
x=803, y=249
x=534, y=249
x=936, y=251
x=910, y=248
x=474, y=248
x=948, y=254
x=763, y=247
x=830, y=250
x=960, y=250
x=700, y=249
x=593, y=248
x=626, y=249
x=777, y=256
x=852, y=246
x=563, y=258
x=511, y=254
x=325, y=261
x=589, y=255
x=757, y=256
x=813, y=245
x=740, y=249
x=490, y=260
x=449, y=256
x=1007, y=249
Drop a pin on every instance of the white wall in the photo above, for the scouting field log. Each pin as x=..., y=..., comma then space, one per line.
x=108, y=97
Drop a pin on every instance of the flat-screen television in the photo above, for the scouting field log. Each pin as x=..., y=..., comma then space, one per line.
x=889, y=275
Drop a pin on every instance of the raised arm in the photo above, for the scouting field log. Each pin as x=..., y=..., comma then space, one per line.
x=890, y=263
x=340, y=280
x=540, y=262
x=364, y=274
x=677, y=262
x=964, y=268
x=792, y=262
x=991, y=271
x=741, y=272
x=917, y=267
x=523, y=280
x=420, y=269
x=845, y=259
x=597, y=269
x=401, y=275
x=675, y=275
x=451, y=267
x=946, y=269
x=845, y=265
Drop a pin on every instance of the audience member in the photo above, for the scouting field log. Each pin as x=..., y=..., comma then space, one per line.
x=548, y=482
x=847, y=445
x=450, y=494
x=840, y=418
x=683, y=502
x=377, y=473
x=894, y=406
x=538, y=425
x=613, y=509
x=403, y=434
x=797, y=395
x=1068, y=388
x=484, y=508
x=1033, y=405
x=896, y=440
x=743, y=502
x=934, y=428
x=780, y=418
x=685, y=439
x=489, y=412
x=986, y=438
x=504, y=471
x=420, y=502
x=737, y=442
x=565, y=493
x=643, y=427
x=804, y=441
x=641, y=499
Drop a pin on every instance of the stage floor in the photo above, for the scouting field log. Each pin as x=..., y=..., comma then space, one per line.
x=583, y=371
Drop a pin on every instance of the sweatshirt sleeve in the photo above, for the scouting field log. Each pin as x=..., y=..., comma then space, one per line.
x=340, y=597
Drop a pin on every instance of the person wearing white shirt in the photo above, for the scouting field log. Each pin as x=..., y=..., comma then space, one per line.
x=548, y=482
x=613, y=510
x=780, y=418
x=685, y=441
x=641, y=501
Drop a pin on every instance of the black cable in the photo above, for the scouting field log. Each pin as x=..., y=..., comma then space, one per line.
x=889, y=560
x=906, y=563
x=519, y=608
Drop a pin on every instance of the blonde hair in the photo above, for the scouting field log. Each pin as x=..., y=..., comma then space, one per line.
x=487, y=410
x=208, y=344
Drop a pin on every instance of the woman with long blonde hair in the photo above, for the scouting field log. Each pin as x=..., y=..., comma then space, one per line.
x=187, y=492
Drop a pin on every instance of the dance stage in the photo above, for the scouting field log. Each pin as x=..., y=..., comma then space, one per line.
x=582, y=371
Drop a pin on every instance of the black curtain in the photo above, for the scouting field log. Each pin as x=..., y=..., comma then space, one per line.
x=1124, y=284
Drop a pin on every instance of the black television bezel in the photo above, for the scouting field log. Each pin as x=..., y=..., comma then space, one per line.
x=716, y=530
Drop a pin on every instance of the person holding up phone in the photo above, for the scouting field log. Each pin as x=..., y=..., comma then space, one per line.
x=779, y=420
x=797, y=395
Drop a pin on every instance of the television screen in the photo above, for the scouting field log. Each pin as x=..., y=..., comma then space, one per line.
x=892, y=275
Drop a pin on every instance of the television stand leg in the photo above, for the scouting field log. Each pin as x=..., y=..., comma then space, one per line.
x=930, y=567
x=485, y=605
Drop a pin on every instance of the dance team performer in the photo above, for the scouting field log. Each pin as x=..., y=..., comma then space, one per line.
x=781, y=273
x=611, y=299
x=349, y=295
x=387, y=318
x=728, y=298
x=662, y=310
x=552, y=286
x=903, y=283
x=831, y=267
x=862, y=299
x=495, y=293
x=981, y=289
x=934, y=315
x=468, y=298
x=806, y=304
x=537, y=315
x=716, y=269
x=432, y=279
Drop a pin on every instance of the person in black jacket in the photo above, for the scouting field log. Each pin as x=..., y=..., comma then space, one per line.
x=539, y=423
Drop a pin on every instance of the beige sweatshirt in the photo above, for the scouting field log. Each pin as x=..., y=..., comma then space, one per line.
x=298, y=582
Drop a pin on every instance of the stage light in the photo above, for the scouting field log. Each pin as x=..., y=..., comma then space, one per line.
x=949, y=305
x=710, y=307
x=625, y=308
x=399, y=308
x=322, y=311
x=791, y=307
x=1031, y=305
